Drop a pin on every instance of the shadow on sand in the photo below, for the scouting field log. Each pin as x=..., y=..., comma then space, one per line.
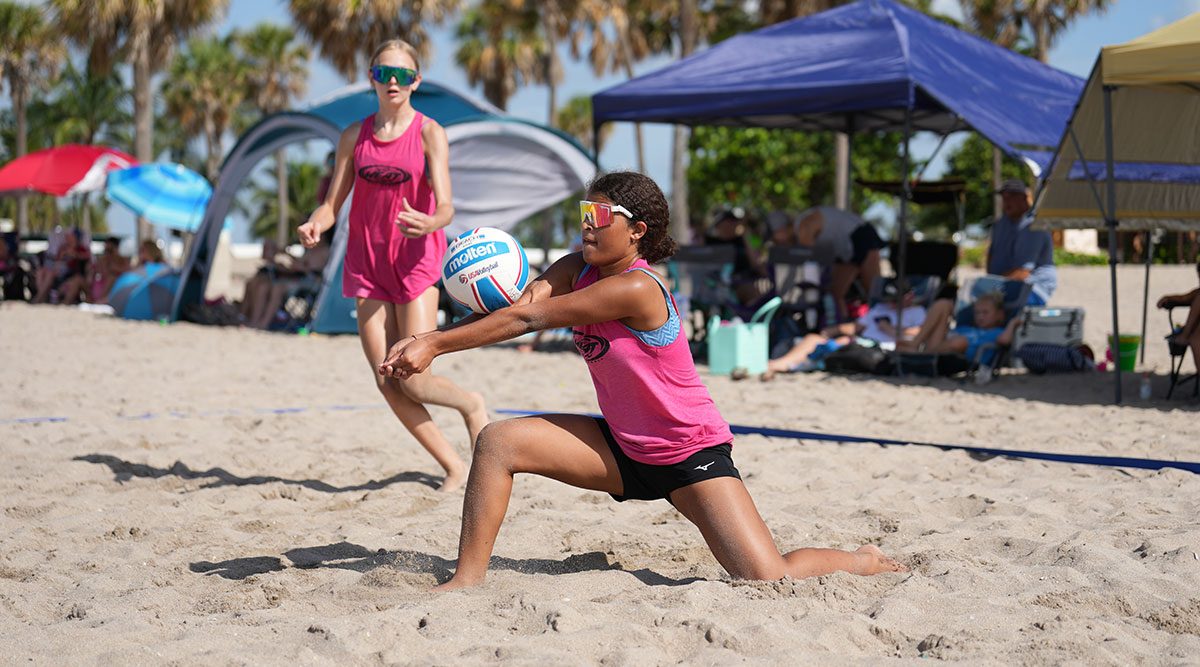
x=347, y=556
x=124, y=470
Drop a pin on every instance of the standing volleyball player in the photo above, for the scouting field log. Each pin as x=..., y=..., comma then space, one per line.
x=661, y=435
x=397, y=161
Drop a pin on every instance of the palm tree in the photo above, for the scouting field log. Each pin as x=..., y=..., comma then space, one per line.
x=142, y=33
x=206, y=84
x=641, y=28
x=500, y=46
x=88, y=108
x=347, y=32
x=277, y=73
x=264, y=208
x=575, y=118
x=29, y=56
x=1004, y=21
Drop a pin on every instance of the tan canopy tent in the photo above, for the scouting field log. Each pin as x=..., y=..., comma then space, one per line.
x=1130, y=158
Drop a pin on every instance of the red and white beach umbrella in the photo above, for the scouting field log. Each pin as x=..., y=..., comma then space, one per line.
x=63, y=170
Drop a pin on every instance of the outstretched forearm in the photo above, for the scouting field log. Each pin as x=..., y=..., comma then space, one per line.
x=478, y=331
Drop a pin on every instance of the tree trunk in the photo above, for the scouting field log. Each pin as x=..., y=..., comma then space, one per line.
x=841, y=170
x=680, y=215
x=86, y=214
x=19, y=101
x=997, y=162
x=282, y=228
x=552, y=67
x=143, y=118
x=639, y=139
x=212, y=161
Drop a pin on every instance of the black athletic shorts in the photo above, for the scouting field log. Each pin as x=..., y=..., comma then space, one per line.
x=643, y=481
x=865, y=239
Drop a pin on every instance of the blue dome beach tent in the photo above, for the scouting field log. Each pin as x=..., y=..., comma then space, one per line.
x=502, y=170
x=874, y=65
x=167, y=194
x=1130, y=158
x=144, y=293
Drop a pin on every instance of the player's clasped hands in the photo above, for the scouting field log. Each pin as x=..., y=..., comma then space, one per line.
x=414, y=223
x=406, y=358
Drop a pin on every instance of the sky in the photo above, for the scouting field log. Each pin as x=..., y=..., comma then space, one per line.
x=1074, y=52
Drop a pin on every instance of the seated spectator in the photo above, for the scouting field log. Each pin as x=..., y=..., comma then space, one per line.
x=106, y=269
x=267, y=290
x=1189, y=334
x=846, y=243
x=150, y=253
x=877, y=325
x=749, y=279
x=12, y=275
x=1019, y=252
x=64, y=272
x=936, y=335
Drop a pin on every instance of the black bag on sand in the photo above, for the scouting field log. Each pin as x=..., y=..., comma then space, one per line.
x=854, y=358
x=925, y=364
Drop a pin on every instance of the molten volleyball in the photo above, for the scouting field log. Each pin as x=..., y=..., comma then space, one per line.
x=485, y=269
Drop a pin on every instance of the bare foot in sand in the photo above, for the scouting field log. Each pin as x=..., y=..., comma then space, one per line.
x=456, y=583
x=874, y=561
x=476, y=418
x=454, y=479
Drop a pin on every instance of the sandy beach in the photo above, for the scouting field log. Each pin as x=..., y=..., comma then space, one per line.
x=192, y=495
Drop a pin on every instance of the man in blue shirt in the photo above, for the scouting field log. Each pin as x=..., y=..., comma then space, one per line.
x=1018, y=252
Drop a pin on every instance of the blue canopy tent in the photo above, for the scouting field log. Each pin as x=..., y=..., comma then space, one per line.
x=502, y=170
x=874, y=65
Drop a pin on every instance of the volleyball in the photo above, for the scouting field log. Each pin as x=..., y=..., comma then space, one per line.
x=485, y=269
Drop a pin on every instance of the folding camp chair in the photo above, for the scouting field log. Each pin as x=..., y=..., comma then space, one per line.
x=702, y=275
x=1178, y=357
x=1015, y=295
x=797, y=277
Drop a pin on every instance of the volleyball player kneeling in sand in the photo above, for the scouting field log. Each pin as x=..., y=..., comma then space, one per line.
x=661, y=435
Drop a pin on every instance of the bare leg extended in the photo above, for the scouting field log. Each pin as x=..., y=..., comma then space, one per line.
x=419, y=316
x=869, y=270
x=568, y=448
x=727, y=518
x=935, y=328
x=378, y=331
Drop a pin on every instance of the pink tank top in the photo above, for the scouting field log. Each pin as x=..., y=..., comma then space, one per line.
x=646, y=383
x=381, y=262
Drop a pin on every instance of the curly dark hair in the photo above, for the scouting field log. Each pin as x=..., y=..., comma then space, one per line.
x=642, y=196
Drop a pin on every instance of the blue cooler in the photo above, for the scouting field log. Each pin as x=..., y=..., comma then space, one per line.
x=741, y=344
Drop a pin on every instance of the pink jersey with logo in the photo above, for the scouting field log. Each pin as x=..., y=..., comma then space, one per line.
x=381, y=262
x=646, y=383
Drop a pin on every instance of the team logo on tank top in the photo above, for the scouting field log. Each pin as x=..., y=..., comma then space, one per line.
x=591, y=347
x=384, y=174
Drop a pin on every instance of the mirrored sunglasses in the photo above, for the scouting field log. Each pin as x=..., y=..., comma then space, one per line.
x=595, y=215
x=402, y=75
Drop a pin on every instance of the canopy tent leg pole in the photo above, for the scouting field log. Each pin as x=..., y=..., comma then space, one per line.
x=902, y=242
x=1149, y=250
x=1111, y=221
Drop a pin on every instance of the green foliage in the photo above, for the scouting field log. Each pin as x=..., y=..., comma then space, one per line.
x=975, y=256
x=764, y=170
x=263, y=209
x=1068, y=258
x=972, y=162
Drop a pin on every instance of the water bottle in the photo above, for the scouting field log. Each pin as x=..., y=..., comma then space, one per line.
x=1145, y=390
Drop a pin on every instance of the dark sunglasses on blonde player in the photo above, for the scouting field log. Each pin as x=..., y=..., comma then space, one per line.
x=384, y=74
x=597, y=215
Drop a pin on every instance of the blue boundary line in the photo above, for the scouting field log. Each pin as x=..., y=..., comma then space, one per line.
x=1108, y=461
x=1083, y=459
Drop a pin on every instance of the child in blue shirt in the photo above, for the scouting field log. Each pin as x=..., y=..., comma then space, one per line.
x=936, y=336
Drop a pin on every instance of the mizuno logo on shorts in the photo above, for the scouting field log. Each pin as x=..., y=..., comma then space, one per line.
x=705, y=466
